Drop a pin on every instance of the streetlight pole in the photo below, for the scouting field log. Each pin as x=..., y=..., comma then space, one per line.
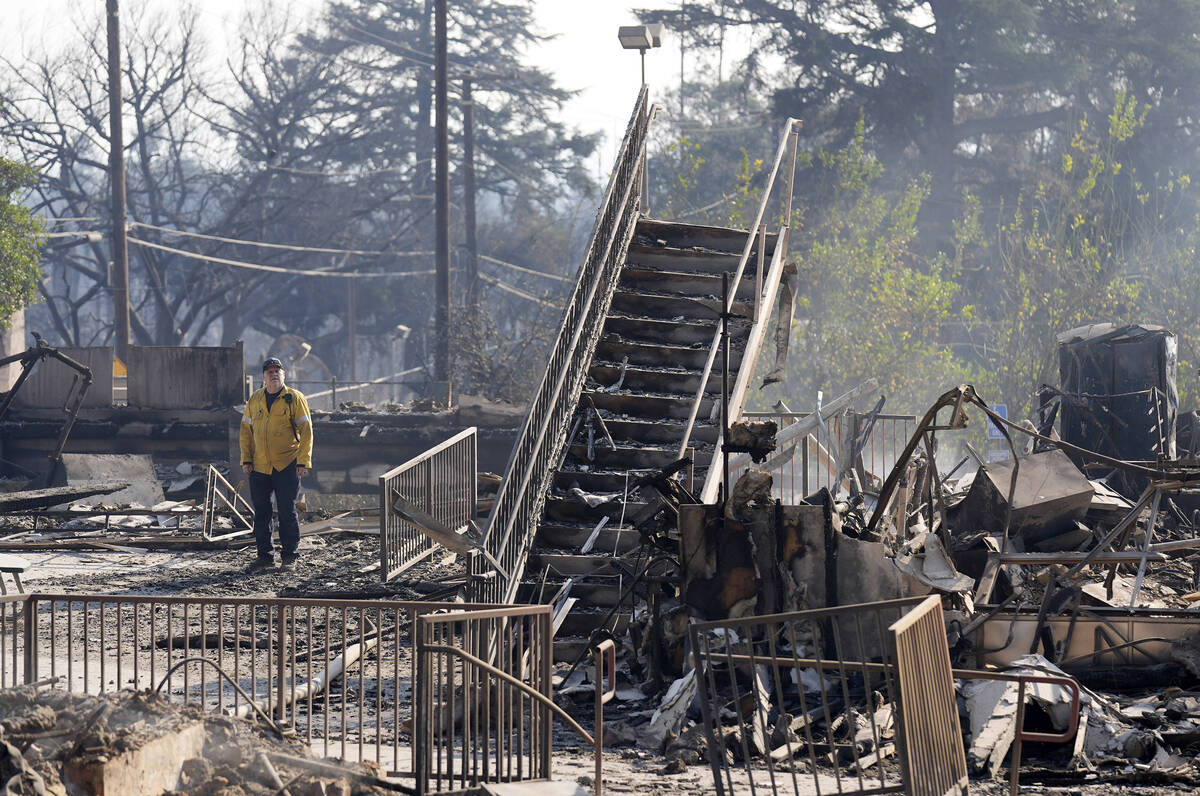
x=116, y=177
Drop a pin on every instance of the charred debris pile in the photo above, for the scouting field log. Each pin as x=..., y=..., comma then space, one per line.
x=1073, y=556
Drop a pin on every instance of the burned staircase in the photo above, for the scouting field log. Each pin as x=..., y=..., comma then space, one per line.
x=642, y=385
x=632, y=384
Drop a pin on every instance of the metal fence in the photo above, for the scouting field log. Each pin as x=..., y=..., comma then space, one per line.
x=802, y=700
x=483, y=708
x=805, y=466
x=514, y=519
x=442, y=483
x=337, y=672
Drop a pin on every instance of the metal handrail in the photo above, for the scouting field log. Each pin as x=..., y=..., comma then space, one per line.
x=787, y=144
x=444, y=486
x=515, y=514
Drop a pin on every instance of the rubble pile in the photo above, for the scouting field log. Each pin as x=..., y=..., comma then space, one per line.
x=53, y=743
x=1053, y=560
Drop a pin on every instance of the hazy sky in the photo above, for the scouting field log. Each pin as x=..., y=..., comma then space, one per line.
x=585, y=56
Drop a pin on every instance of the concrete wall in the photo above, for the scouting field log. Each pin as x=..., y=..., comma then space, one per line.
x=186, y=377
x=50, y=381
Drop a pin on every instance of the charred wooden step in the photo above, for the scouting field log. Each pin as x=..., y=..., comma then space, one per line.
x=666, y=431
x=685, y=284
x=607, y=480
x=569, y=509
x=614, y=348
x=626, y=455
x=669, y=306
x=657, y=232
x=662, y=379
x=645, y=405
x=600, y=591
x=652, y=331
x=579, y=564
x=569, y=537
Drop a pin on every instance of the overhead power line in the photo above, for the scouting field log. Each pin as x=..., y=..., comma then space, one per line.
x=518, y=292
x=525, y=270
x=275, y=268
x=66, y=219
x=284, y=246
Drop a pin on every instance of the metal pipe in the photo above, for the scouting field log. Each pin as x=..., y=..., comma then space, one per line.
x=725, y=383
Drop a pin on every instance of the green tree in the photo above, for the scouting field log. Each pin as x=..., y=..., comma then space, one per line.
x=975, y=93
x=870, y=306
x=20, y=242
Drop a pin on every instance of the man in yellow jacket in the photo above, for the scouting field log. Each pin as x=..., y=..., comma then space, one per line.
x=277, y=444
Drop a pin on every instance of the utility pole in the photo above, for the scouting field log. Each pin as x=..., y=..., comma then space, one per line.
x=116, y=176
x=469, y=196
x=442, y=200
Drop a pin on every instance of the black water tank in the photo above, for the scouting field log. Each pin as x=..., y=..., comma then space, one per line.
x=1118, y=393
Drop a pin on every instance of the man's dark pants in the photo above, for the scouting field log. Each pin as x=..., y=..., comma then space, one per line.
x=285, y=484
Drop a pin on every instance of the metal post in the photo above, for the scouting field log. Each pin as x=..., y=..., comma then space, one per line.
x=469, y=195
x=116, y=177
x=29, y=618
x=725, y=382
x=280, y=670
x=758, y=274
x=442, y=199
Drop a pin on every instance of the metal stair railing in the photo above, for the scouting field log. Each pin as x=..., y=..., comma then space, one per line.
x=766, y=287
x=512, y=525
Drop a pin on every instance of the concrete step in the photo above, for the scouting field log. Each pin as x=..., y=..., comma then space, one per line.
x=661, y=280
x=568, y=537
x=671, y=306
x=663, y=379
x=650, y=406
x=614, y=348
x=659, y=232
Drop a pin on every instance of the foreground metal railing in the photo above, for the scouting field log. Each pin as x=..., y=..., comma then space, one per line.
x=483, y=698
x=792, y=698
x=338, y=673
x=442, y=482
x=766, y=287
x=513, y=522
x=817, y=701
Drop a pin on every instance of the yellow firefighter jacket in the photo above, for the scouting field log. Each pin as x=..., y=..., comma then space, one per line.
x=271, y=440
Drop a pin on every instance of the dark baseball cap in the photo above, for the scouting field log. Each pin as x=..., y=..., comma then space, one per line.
x=272, y=362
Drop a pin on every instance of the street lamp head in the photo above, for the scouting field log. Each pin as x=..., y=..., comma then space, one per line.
x=640, y=37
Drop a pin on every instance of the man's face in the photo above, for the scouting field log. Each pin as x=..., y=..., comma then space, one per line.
x=273, y=379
